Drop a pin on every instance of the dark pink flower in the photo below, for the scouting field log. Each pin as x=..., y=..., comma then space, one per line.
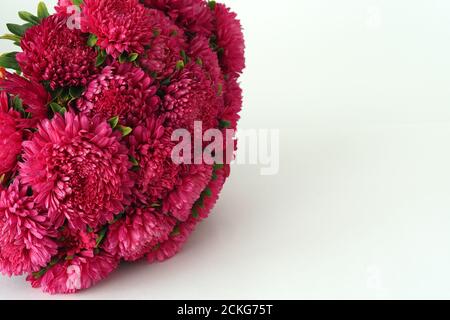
x=172, y=246
x=201, y=52
x=191, y=96
x=78, y=170
x=70, y=276
x=229, y=40
x=133, y=236
x=25, y=234
x=193, y=181
x=120, y=26
x=156, y=174
x=193, y=15
x=33, y=95
x=120, y=90
x=164, y=50
x=10, y=136
x=233, y=103
x=52, y=52
x=167, y=249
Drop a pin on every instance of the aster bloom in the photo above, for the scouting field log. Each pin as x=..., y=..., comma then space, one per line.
x=25, y=234
x=164, y=49
x=89, y=170
x=193, y=15
x=133, y=236
x=120, y=26
x=229, y=40
x=78, y=170
x=70, y=276
x=121, y=90
x=156, y=174
x=54, y=53
x=10, y=136
x=191, y=96
x=33, y=95
x=180, y=201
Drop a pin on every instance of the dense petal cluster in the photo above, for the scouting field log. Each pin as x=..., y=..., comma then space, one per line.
x=10, y=136
x=78, y=170
x=25, y=234
x=56, y=54
x=120, y=90
x=90, y=170
x=121, y=26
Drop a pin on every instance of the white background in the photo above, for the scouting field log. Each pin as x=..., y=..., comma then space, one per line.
x=360, y=208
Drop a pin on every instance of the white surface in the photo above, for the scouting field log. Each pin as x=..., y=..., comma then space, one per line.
x=360, y=209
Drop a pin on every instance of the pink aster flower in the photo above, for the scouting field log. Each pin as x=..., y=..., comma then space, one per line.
x=120, y=90
x=193, y=182
x=193, y=15
x=52, y=52
x=70, y=276
x=133, y=236
x=164, y=50
x=156, y=174
x=233, y=103
x=191, y=96
x=25, y=234
x=120, y=26
x=201, y=52
x=172, y=246
x=10, y=136
x=178, y=237
x=78, y=170
x=202, y=210
x=230, y=40
x=33, y=95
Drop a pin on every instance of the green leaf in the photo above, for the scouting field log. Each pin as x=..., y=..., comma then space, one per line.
x=56, y=108
x=113, y=122
x=176, y=231
x=123, y=58
x=101, y=58
x=42, y=11
x=18, y=104
x=133, y=57
x=100, y=237
x=18, y=30
x=77, y=2
x=76, y=92
x=28, y=17
x=218, y=166
x=212, y=4
x=195, y=213
x=224, y=124
x=214, y=176
x=8, y=61
x=199, y=61
x=165, y=82
x=11, y=37
x=207, y=192
x=184, y=56
x=180, y=65
x=134, y=161
x=92, y=40
x=124, y=130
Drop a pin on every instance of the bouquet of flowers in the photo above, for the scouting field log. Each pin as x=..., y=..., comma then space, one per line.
x=88, y=110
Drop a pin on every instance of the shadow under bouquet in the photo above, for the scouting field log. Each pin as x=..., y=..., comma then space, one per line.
x=92, y=110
